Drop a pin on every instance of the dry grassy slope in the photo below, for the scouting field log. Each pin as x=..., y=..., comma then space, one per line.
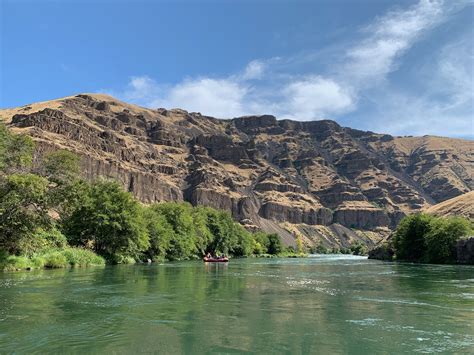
x=269, y=174
x=462, y=205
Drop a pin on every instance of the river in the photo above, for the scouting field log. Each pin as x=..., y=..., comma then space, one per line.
x=322, y=304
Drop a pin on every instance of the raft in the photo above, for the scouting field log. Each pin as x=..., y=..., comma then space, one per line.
x=215, y=260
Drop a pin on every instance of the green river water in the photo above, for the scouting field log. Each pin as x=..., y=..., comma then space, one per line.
x=322, y=304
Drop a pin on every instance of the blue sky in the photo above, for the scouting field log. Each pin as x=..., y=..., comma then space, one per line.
x=399, y=67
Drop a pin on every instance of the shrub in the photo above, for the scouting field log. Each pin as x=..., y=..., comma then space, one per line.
x=358, y=249
x=274, y=244
x=441, y=239
x=409, y=237
x=424, y=238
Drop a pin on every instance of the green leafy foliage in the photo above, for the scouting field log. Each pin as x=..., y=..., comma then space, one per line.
x=61, y=166
x=109, y=221
x=23, y=209
x=267, y=243
x=16, y=151
x=358, y=249
x=425, y=238
x=409, y=238
x=441, y=240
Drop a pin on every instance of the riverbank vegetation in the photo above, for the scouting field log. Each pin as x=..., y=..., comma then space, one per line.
x=425, y=238
x=50, y=217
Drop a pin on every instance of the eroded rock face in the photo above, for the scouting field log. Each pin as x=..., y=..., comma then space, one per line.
x=465, y=251
x=264, y=171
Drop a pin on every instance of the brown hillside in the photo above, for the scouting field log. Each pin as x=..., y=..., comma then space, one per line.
x=462, y=205
x=316, y=178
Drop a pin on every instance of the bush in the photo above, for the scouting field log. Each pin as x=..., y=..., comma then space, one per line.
x=358, y=249
x=274, y=244
x=441, y=240
x=42, y=240
x=424, y=238
x=409, y=237
x=319, y=249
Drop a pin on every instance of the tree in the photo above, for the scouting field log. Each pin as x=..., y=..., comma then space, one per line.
x=299, y=245
x=16, y=151
x=203, y=236
x=179, y=216
x=441, y=239
x=160, y=234
x=110, y=222
x=243, y=242
x=274, y=244
x=409, y=237
x=23, y=209
x=61, y=166
x=66, y=191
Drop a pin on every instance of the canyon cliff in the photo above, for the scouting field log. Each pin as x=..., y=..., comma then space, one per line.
x=327, y=184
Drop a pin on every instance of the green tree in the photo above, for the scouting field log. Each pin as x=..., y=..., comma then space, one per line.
x=243, y=242
x=16, y=151
x=274, y=244
x=203, y=236
x=299, y=245
x=23, y=210
x=358, y=249
x=66, y=191
x=61, y=166
x=409, y=237
x=110, y=222
x=179, y=216
x=441, y=239
x=160, y=233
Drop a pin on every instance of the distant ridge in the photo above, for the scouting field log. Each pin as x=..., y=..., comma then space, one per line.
x=328, y=184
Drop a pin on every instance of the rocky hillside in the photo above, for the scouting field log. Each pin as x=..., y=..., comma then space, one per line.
x=326, y=183
x=462, y=205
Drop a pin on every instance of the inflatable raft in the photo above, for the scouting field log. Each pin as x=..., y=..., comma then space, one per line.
x=215, y=260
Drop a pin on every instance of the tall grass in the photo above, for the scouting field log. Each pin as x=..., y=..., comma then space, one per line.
x=52, y=259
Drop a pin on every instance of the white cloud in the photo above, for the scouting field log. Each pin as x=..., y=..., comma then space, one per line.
x=387, y=39
x=447, y=106
x=254, y=70
x=270, y=86
x=455, y=71
x=215, y=97
x=315, y=97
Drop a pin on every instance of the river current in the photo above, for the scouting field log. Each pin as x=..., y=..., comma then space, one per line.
x=322, y=304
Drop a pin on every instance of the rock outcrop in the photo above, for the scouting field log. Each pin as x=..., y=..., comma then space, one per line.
x=465, y=251
x=267, y=173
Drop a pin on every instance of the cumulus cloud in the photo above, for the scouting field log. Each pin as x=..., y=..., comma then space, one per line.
x=215, y=97
x=266, y=86
x=315, y=96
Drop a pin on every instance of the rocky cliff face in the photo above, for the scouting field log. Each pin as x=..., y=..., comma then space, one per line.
x=268, y=173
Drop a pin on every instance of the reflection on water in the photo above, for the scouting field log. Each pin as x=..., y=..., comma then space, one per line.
x=325, y=304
